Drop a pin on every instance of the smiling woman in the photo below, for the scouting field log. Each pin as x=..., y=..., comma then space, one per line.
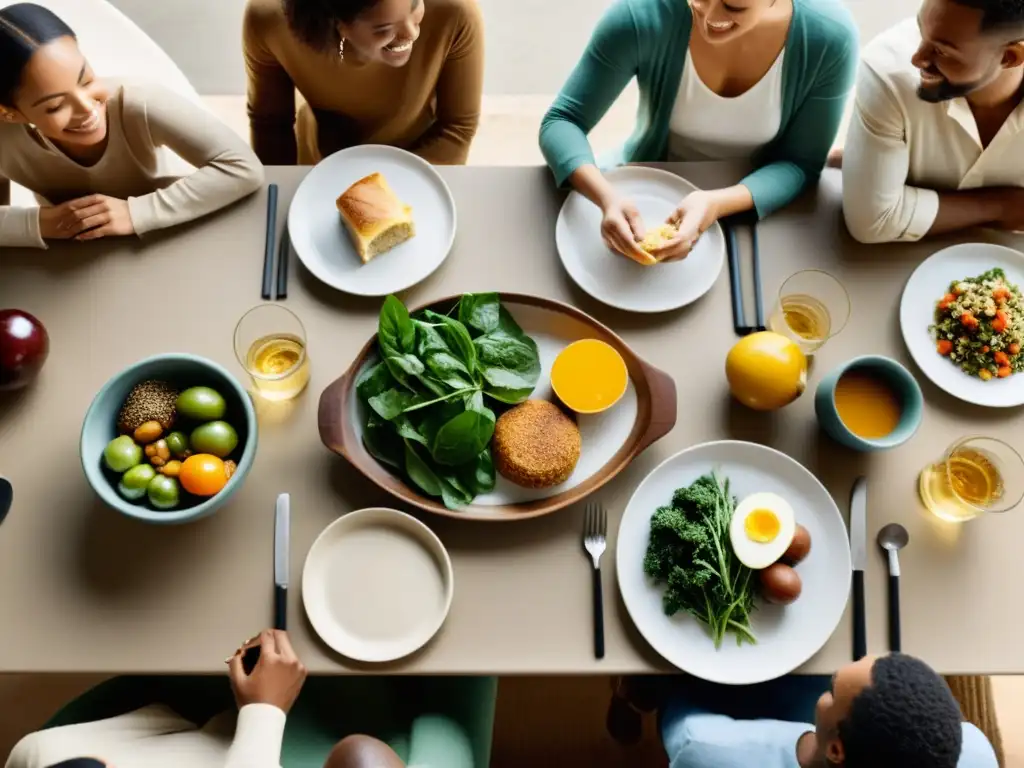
x=93, y=152
x=406, y=73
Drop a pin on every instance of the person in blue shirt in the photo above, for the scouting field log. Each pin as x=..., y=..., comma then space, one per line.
x=880, y=712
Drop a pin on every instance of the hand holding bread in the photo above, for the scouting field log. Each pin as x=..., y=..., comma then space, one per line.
x=695, y=214
x=622, y=230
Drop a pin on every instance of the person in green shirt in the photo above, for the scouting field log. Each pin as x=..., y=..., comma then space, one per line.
x=764, y=81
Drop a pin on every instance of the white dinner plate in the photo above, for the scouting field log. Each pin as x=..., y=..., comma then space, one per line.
x=377, y=585
x=925, y=288
x=620, y=282
x=787, y=636
x=322, y=243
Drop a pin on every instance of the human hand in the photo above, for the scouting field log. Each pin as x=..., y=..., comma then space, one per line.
x=694, y=215
x=622, y=228
x=277, y=677
x=86, y=218
x=97, y=216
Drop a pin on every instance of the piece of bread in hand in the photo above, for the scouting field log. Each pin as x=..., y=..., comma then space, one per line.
x=657, y=238
x=375, y=218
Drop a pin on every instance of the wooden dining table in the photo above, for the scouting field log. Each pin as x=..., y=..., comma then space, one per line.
x=84, y=589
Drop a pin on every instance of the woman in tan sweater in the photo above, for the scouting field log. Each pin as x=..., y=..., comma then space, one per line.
x=408, y=73
x=95, y=155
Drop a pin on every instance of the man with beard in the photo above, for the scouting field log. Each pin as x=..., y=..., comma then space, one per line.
x=936, y=143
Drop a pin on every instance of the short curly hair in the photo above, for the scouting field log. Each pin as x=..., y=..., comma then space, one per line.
x=999, y=15
x=906, y=718
x=315, y=22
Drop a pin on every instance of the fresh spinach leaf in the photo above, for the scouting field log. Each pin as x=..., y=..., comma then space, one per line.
x=419, y=471
x=478, y=476
x=403, y=424
x=428, y=340
x=407, y=363
x=456, y=336
x=453, y=493
x=449, y=370
x=372, y=381
x=461, y=438
x=391, y=403
x=383, y=442
x=480, y=311
x=510, y=365
x=395, y=327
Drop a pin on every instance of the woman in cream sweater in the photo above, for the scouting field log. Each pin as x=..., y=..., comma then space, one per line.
x=94, y=153
x=408, y=73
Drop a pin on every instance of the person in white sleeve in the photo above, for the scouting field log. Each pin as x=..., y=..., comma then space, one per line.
x=97, y=155
x=936, y=143
x=890, y=711
x=158, y=737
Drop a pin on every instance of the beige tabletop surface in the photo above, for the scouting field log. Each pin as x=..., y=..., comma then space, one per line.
x=85, y=589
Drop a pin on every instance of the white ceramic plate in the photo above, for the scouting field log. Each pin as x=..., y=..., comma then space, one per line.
x=321, y=241
x=925, y=288
x=602, y=434
x=377, y=585
x=787, y=636
x=620, y=282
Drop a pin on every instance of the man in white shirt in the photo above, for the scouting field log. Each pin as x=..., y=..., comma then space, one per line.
x=157, y=737
x=936, y=143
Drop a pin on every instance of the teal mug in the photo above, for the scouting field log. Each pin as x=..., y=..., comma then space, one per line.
x=897, y=379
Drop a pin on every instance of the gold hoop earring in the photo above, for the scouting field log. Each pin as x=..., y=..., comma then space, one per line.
x=341, y=50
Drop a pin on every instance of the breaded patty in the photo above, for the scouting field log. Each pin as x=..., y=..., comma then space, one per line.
x=536, y=445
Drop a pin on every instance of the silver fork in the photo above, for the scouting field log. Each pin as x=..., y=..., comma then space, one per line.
x=595, y=528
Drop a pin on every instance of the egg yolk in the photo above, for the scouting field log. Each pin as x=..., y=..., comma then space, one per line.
x=762, y=526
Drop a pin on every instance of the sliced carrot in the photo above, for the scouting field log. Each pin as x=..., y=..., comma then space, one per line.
x=946, y=300
x=998, y=325
x=1000, y=358
x=1001, y=294
x=968, y=320
x=984, y=374
x=986, y=349
x=1014, y=349
x=1004, y=371
x=945, y=346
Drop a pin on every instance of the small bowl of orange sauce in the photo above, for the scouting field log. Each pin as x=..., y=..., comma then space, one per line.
x=589, y=376
x=870, y=403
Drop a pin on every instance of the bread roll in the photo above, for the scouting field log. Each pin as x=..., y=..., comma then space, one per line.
x=375, y=218
x=657, y=238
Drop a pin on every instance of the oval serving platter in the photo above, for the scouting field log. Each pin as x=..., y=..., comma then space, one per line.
x=645, y=414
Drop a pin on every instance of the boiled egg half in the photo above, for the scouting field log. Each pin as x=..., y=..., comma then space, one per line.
x=762, y=529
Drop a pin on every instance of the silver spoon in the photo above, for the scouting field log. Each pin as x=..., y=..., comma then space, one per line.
x=892, y=538
x=6, y=497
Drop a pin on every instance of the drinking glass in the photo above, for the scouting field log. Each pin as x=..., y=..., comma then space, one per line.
x=813, y=306
x=977, y=475
x=270, y=343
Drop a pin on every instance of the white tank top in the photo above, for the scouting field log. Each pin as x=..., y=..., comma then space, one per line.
x=706, y=126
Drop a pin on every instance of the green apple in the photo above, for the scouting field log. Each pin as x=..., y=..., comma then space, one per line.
x=121, y=454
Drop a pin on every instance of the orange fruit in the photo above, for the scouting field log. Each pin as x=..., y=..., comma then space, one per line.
x=203, y=475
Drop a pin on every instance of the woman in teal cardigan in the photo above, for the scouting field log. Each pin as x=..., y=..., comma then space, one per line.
x=762, y=80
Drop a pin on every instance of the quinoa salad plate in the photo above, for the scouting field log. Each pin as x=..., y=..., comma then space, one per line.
x=962, y=318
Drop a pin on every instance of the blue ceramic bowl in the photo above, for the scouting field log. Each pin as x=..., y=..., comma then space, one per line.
x=182, y=371
x=897, y=377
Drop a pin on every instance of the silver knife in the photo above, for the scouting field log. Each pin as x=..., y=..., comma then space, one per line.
x=859, y=557
x=282, y=525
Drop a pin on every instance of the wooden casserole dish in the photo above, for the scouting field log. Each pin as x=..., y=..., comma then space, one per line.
x=655, y=412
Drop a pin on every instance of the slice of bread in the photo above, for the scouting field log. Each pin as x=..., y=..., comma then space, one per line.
x=375, y=218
